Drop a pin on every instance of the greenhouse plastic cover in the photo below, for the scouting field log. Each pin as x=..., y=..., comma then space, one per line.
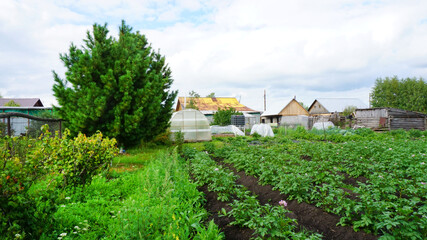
x=262, y=129
x=227, y=129
x=193, y=124
x=323, y=125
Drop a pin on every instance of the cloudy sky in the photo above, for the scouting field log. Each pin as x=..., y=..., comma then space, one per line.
x=235, y=48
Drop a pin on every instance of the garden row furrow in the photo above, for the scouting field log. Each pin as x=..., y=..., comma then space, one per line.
x=308, y=216
x=377, y=187
x=266, y=220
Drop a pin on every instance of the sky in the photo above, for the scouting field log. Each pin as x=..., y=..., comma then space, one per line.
x=306, y=49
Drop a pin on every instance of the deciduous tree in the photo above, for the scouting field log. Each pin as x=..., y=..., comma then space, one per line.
x=408, y=94
x=118, y=86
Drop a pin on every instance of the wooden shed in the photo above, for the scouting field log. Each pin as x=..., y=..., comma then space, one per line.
x=390, y=119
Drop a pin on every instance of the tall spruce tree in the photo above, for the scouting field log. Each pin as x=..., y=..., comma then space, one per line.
x=118, y=86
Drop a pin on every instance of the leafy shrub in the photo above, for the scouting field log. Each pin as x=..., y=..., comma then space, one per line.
x=65, y=162
x=35, y=128
x=223, y=116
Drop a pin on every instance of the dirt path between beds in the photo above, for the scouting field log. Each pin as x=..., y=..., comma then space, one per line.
x=309, y=217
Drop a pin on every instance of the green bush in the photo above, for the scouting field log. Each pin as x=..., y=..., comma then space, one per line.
x=62, y=162
x=223, y=116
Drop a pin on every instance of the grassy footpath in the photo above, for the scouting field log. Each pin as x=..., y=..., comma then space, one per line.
x=154, y=201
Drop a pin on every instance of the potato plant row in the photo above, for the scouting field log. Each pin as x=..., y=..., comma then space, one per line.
x=267, y=221
x=377, y=186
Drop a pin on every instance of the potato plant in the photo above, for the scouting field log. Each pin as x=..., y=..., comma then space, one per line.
x=269, y=222
x=378, y=186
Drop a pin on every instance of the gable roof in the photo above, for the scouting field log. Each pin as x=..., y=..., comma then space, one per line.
x=23, y=102
x=293, y=108
x=338, y=104
x=212, y=104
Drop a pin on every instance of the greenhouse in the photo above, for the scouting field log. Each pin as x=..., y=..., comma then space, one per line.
x=193, y=124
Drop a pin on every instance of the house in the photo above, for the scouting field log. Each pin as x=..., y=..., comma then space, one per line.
x=22, y=102
x=330, y=109
x=328, y=106
x=208, y=106
x=293, y=114
x=390, y=119
x=30, y=106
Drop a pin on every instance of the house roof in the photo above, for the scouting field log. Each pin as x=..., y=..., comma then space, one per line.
x=212, y=104
x=338, y=104
x=23, y=102
x=293, y=112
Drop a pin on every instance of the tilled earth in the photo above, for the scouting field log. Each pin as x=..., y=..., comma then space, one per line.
x=308, y=216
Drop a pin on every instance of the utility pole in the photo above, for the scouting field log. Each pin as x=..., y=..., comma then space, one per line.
x=265, y=101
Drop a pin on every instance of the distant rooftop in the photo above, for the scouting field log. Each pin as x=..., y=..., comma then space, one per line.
x=212, y=104
x=23, y=102
x=339, y=104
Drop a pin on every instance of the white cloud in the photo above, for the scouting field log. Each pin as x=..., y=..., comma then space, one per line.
x=234, y=48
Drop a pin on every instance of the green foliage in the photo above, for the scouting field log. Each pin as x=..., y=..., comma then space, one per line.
x=35, y=128
x=12, y=103
x=211, y=95
x=348, y=110
x=192, y=102
x=118, y=86
x=157, y=202
x=268, y=222
x=62, y=162
x=304, y=106
x=3, y=129
x=179, y=140
x=223, y=116
x=408, y=94
x=374, y=181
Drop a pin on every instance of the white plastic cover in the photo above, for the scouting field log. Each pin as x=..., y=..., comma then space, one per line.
x=323, y=125
x=193, y=124
x=262, y=129
x=227, y=129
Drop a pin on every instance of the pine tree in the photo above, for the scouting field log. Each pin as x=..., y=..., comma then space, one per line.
x=118, y=86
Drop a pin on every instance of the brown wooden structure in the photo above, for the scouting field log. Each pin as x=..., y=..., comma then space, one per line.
x=390, y=119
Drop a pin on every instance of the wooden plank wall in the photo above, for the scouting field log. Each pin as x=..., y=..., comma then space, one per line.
x=369, y=122
x=407, y=123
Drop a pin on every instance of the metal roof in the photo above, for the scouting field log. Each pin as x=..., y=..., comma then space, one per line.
x=212, y=104
x=23, y=102
x=339, y=104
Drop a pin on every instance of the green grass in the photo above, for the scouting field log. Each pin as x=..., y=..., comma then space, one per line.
x=157, y=201
x=136, y=158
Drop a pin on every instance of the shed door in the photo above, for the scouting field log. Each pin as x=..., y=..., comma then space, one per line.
x=383, y=121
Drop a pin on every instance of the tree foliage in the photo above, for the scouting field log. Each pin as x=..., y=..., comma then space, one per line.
x=211, y=95
x=192, y=103
x=348, y=110
x=223, y=116
x=12, y=103
x=408, y=94
x=118, y=86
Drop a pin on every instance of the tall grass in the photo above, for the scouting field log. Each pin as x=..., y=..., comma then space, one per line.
x=155, y=202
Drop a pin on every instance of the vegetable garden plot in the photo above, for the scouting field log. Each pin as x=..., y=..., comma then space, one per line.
x=266, y=220
x=377, y=187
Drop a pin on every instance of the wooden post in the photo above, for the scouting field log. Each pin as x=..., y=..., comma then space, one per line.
x=60, y=128
x=8, y=127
